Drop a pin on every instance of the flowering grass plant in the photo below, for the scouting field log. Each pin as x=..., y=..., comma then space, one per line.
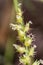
x=27, y=51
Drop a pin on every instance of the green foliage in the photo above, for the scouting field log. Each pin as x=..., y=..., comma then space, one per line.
x=9, y=51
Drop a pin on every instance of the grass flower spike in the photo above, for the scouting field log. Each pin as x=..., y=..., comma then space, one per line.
x=27, y=51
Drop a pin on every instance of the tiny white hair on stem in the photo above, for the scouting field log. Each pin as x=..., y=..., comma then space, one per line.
x=34, y=46
x=41, y=61
x=30, y=22
x=19, y=4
